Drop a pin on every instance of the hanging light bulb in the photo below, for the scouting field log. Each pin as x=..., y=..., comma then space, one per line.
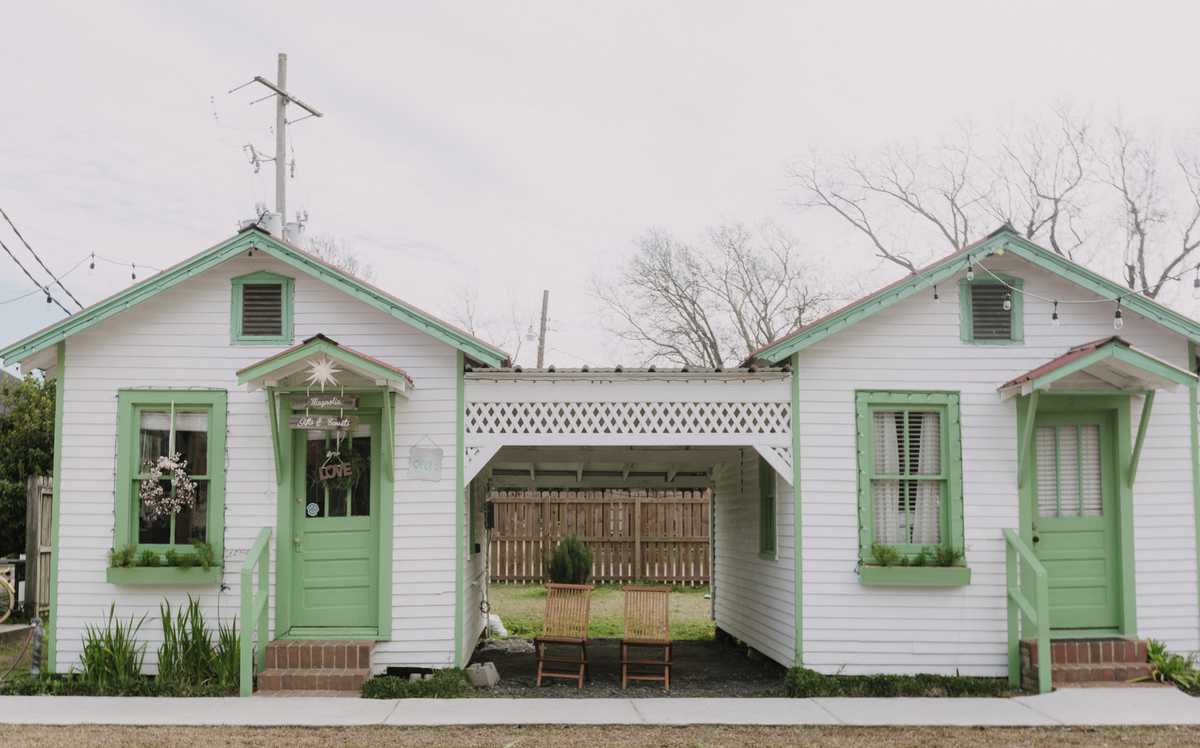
x=92, y=264
x=48, y=299
x=936, y=298
x=970, y=272
x=133, y=271
x=1196, y=284
x=1118, y=318
x=1007, y=303
x=1054, y=320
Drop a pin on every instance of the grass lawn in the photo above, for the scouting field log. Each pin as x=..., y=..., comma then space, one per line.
x=8, y=657
x=522, y=609
x=536, y=737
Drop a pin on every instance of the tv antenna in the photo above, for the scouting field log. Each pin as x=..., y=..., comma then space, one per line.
x=282, y=98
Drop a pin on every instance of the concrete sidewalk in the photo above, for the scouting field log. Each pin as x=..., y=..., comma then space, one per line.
x=1091, y=706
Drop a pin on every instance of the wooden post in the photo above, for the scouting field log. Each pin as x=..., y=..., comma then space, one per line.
x=637, y=537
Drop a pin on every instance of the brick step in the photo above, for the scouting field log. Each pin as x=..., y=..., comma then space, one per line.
x=1067, y=675
x=306, y=654
x=313, y=679
x=1091, y=651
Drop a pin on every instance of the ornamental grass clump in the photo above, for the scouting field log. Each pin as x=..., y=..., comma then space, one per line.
x=187, y=661
x=112, y=657
x=571, y=562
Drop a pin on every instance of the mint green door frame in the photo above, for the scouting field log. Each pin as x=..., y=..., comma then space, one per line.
x=278, y=410
x=1118, y=406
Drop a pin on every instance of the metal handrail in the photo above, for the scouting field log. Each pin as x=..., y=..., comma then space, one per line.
x=254, y=611
x=1022, y=610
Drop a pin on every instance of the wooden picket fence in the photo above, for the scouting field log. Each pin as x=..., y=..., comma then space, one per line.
x=634, y=535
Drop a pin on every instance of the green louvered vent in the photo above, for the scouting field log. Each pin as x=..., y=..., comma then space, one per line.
x=262, y=309
x=989, y=319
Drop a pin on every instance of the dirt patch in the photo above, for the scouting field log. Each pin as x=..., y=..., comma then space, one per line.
x=701, y=668
x=544, y=737
x=522, y=608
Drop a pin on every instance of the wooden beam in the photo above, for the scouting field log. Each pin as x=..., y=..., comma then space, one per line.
x=277, y=447
x=681, y=455
x=1143, y=424
x=569, y=481
x=1027, y=437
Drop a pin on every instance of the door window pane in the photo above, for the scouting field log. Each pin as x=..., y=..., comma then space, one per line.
x=360, y=504
x=1068, y=469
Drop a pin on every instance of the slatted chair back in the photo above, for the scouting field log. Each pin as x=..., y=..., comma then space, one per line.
x=567, y=609
x=647, y=613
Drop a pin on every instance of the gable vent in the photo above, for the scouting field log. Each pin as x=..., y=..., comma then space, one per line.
x=989, y=319
x=262, y=309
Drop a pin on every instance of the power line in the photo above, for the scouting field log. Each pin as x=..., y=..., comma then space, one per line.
x=39, y=260
x=31, y=293
x=30, y=276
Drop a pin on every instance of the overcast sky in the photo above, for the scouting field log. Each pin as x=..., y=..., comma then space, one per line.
x=510, y=147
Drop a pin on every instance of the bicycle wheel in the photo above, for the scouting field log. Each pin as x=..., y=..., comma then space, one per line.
x=8, y=600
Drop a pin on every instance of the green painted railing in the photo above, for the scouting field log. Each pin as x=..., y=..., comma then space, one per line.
x=254, y=610
x=1027, y=618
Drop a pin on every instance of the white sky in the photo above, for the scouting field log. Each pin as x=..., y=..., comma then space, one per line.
x=508, y=147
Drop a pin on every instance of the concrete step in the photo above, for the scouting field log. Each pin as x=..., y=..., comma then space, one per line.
x=287, y=654
x=312, y=679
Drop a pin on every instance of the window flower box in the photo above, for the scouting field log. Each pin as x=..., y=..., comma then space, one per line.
x=164, y=576
x=914, y=576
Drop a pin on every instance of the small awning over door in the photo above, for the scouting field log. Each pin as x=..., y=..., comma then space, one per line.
x=1110, y=364
x=352, y=369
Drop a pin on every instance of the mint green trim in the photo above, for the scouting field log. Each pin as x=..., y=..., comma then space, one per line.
x=129, y=402
x=966, y=326
x=1115, y=350
x=797, y=517
x=1194, y=420
x=1119, y=407
x=387, y=499
x=945, y=403
x=477, y=349
x=767, y=534
x=1004, y=239
x=459, y=484
x=60, y=385
x=1021, y=610
x=287, y=294
x=348, y=633
x=254, y=605
x=345, y=356
x=1143, y=426
x=909, y=576
x=166, y=576
x=280, y=409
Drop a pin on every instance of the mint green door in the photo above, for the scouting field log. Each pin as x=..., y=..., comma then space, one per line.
x=1075, y=519
x=335, y=569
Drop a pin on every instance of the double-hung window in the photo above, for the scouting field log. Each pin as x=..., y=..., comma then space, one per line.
x=909, y=471
x=163, y=423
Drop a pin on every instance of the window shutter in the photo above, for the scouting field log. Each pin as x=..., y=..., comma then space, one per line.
x=262, y=309
x=989, y=319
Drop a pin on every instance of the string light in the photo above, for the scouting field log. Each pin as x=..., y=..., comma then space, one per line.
x=92, y=264
x=1118, y=318
x=1054, y=320
x=970, y=272
x=1007, y=303
x=936, y=298
x=1196, y=284
x=133, y=271
x=49, y=300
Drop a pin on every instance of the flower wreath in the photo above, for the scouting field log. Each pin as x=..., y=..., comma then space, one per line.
x=157, y=502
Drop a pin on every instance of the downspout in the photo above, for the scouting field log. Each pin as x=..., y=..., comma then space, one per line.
x=56, y=508
x=797, y=524
x=459, y=534
x=1194, y=420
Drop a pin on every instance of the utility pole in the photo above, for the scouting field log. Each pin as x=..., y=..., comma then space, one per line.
x=542, y=332
x=282, y=98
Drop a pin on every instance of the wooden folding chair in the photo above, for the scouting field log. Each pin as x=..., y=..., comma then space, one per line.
x=566, y=625
x=647, y=625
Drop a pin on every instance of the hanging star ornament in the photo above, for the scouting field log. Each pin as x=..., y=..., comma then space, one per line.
x=322, y=371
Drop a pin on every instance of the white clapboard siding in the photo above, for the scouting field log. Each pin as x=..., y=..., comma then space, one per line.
x=915, y=344
x=181, y=338
x=754, y=596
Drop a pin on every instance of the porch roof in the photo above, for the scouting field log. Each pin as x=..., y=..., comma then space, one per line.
x=1106, y=364
x=272, y=370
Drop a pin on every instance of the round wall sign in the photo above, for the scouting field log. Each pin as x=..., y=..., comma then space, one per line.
x=313, y=509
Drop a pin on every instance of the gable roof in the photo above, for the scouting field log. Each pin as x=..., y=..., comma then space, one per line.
x=1112, y=361
x=473, y=348
x=1003, y=239
x=290, y=361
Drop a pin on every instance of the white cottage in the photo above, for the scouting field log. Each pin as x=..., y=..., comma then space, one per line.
x=970, y=458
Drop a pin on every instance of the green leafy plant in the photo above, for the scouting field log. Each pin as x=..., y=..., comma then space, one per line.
x=182, y=560
x=947, y=555
x=112, y=657
x=228, y=656
x=205, y=555
x=122, y=557
x=1174, y=669
x=571, y=562
x=186, y=657
x=886, y=555
x=149, y=557
x=923, y=558
x=804, y=683
x=443, y=684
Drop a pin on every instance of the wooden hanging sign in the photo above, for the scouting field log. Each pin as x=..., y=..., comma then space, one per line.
x=335, y=470
x=322, y=422
x=321, y=401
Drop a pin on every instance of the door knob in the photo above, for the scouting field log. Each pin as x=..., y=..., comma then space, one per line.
x=1036, y=538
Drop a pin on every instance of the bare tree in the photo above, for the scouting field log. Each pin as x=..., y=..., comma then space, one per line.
x=340, y=254
x=1056, y=181
x=502, y=329
x=710, y=305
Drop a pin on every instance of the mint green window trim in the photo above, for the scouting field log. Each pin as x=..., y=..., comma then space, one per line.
x=129, y=404
x=264, y=278
x=767, y=534
x=867, y=402
x=966, y=329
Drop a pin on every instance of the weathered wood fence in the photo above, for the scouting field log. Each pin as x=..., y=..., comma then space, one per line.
x=39, y=511
x=634, y=535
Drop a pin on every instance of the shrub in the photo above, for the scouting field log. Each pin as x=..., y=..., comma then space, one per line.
x=571, y=562
x=1173, y=669
x=443, y=684
x=112, y=658
x=804, y=683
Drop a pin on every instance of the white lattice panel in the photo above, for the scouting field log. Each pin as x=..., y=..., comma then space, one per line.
x=647, y=417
